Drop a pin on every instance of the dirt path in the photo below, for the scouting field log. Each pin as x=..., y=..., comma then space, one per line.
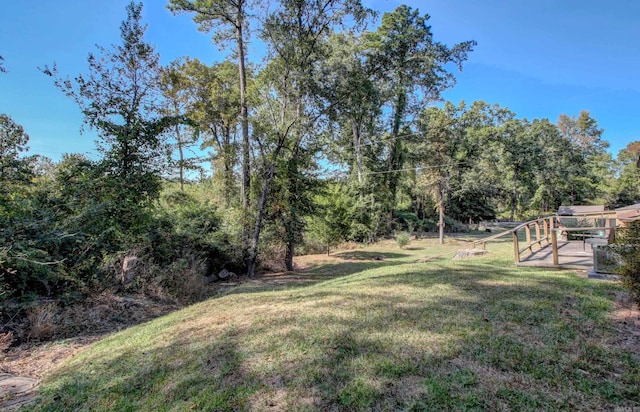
x=22, y=368
x=16, y=391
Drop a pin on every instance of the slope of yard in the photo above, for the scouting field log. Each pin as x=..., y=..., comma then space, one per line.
x=380, y=328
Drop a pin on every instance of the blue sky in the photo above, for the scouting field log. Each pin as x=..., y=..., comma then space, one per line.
x=538, y=58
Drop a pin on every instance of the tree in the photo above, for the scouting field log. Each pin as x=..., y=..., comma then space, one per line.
x=450, y=154
x=119, y=97
x=626, y=190
x=583, y=132
x=552, y=167
x=332, y=223
x=215, y=108
x=413, y=69
x=590, y=162
x=519, y=156
x=475, y=184
x=352, y=98
x=2, y=69
x=13, y=141
x=296, y=34
x=628, y=247
x=229, y=19
x=437, y=150
x=175, y=86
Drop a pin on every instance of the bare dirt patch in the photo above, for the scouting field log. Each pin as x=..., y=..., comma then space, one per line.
x=23, y=366
x=72, y=329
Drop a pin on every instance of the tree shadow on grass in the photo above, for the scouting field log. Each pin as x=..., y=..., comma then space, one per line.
x=340, y=265
x=368, y=255
x=446, y=337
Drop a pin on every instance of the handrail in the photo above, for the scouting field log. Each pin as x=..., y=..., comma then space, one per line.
x=484, y=240
x=550, y=226
x=544, y=228
x=585, y=228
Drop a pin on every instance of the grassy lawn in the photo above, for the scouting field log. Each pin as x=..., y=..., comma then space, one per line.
x=379, y=328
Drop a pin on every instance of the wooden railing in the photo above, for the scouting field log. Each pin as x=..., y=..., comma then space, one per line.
x=484, y=240
x=608, y=230
x=542, y=229
x=542, y=232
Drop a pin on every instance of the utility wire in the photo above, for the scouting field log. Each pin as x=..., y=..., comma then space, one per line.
x=415, y=168
x=337, y=172
x=381, y=139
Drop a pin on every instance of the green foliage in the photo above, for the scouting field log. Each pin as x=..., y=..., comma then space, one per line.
x=334, y=219
x=625, y=189
x=358, y=101
x=403, y=239
x=13, y=141
x=409, y=65
x=119, y=98
x=628, y=247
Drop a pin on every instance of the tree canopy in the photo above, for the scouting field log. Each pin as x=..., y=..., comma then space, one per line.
x=338, y=134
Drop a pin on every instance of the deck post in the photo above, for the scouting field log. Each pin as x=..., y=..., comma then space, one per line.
x=538, y=231
x=516, y=247
x=554, y=247
x=527, y=231
x=546, y=229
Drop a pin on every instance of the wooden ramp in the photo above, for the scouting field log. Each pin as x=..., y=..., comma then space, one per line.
x=571, y=255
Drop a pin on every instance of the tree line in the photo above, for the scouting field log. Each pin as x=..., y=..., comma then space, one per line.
x=338, y=135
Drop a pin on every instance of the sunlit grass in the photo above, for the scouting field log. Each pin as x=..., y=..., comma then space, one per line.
x=372, y=329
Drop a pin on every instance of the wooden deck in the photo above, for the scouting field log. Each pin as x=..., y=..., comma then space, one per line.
x=570, y=256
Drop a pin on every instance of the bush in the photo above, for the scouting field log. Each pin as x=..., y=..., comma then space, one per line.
x=628, y=247
x=42, y=325
x=406, y=221
x=403, y=239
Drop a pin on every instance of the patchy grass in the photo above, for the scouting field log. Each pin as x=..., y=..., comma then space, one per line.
x=371, y=329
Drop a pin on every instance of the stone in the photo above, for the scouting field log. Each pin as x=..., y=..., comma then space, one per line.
x=225, y=274
x=128, y=274
x=468, y=253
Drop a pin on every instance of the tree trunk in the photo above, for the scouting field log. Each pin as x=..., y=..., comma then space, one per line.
x=357, y=149
x=514, y=195
x=441, y=212
x=290, y=219
x=395, y=155
x=262, y=205
x=245, y=188
x=181, y=154
x=244, y=114
x=290, y=252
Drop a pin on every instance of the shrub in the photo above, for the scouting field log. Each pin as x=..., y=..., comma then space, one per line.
x=403, y=239
x=628, y=247
x=42, y=324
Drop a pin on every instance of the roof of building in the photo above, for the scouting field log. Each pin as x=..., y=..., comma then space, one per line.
x=628, y=215
x=635, y=206
x=579, y=210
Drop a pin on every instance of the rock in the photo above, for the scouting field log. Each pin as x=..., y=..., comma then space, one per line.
x=467, y=253
x=15, y=385
x=15, y=391
x=225, y=274
x=128, y=274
